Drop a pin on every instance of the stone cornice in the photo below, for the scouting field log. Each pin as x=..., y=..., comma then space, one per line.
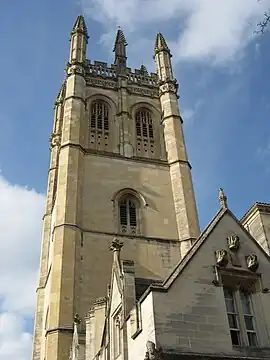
x=116, y=234
x=59, y=329
x=171, y=116
x=181, y=162
x=116, y=156
x=76, y=98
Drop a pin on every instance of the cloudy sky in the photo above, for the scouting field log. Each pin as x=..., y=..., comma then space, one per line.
x=223, y=71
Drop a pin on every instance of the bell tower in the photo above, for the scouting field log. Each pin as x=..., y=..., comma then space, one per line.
x=118, y=169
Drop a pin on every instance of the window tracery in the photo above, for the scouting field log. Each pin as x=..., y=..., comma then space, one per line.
x=128, y=215
x=99, y=125
x=144, y=133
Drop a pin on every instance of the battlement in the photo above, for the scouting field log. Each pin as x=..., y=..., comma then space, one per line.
x=138, y=76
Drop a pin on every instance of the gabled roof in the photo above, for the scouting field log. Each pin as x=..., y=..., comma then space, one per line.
x=193, y=250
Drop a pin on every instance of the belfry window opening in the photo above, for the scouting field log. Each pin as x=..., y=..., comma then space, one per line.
x=99, y=125
x=128, y=215
x=144, y=133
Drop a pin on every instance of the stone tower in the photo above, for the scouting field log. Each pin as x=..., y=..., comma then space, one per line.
x=118, y=168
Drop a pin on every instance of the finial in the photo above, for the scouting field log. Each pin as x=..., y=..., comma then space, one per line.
x=222, y=199
x=161, y=44
x=77, y=320
x=80, y=26
x=116, y=245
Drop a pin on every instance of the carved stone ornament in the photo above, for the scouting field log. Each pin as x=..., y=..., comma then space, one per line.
x=143, y=91
x=77, y=320
x=252, y=262
x=222, y=257
x=73, y=69
x=116, y=245
x=152, y=353
x=233, y=242
x=55, y=140
x=92, y=81
x=168, y=87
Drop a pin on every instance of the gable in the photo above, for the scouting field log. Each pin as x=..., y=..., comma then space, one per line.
x=191, y=311
x=215, y=238
x=115, y=298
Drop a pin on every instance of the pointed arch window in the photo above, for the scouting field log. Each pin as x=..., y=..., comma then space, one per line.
x=144, y=133
x=99, y=125
x=128, y=215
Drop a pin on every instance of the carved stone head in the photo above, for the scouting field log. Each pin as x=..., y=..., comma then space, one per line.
x=152, y=353
x=233, y=242
x=252, y=262
x=222, y=257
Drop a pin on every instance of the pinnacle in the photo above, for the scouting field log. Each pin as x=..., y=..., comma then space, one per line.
x=120, y=39
x=62, y=93
x=161, y=44
x=80, y=26
x=222, y=199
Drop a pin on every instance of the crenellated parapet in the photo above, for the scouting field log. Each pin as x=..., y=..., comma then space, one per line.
x=139, y=81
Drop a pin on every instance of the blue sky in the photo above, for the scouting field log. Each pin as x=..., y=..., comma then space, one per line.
x=223, y=72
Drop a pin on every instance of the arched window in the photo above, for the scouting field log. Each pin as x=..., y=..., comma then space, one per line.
x=144, y=133
x=128, y=215
x=99, y=125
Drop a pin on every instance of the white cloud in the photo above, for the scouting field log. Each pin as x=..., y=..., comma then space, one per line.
x=216, y=30
x=21, y=211
x=15, y=343
x=264, y=152
x=189, y=113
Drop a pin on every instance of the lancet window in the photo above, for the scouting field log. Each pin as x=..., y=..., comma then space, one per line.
x=99, y=125
x=128, y=215
x=144, y=133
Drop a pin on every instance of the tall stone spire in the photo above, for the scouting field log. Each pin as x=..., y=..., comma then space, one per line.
x=79, y=39
x=180, y=169
x=120, y=50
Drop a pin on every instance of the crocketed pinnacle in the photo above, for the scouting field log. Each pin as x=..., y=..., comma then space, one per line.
x=80, y=26
x=62, y=93
x=222, y=199
x=120, y=49
x=161, y=44
x=120, y=40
